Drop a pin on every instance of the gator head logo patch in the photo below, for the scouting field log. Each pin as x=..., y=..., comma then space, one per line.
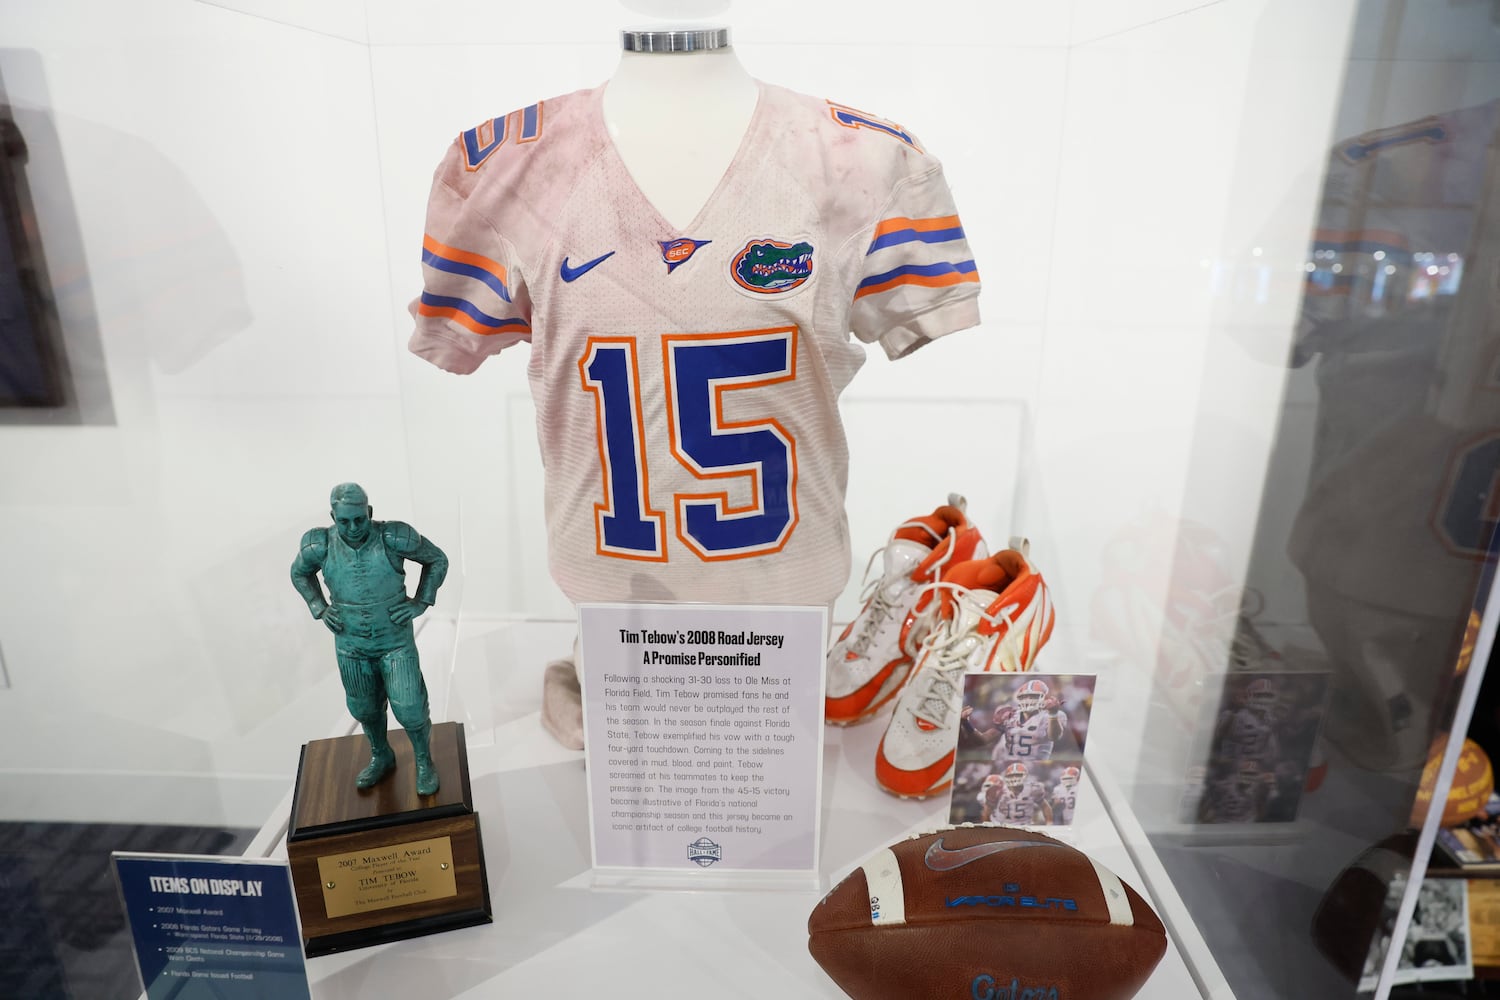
x=768, y=267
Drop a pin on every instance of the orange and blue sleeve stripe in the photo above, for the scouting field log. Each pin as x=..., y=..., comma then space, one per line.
x=488, y=272
x=903, y=231
x=894, y=232
x=467, y=315
x=927, y=275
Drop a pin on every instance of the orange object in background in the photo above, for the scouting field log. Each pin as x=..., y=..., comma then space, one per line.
x=1472, y=784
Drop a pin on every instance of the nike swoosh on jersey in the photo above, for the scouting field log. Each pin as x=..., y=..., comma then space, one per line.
x=941, y=859
x=574, y=273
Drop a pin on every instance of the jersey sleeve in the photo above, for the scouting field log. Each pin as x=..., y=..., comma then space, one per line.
x=918, y=280
x=474, y=301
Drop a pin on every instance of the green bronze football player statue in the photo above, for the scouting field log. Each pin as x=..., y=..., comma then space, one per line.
x=369, y=613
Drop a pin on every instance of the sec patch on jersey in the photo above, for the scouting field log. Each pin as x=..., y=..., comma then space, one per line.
x=985, y=913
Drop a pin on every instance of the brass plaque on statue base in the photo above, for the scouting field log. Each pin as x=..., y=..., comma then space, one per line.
x=383, y=863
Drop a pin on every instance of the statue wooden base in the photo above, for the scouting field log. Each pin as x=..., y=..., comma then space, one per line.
x=382, y=864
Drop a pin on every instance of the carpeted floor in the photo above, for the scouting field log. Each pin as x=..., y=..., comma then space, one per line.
x=63, y=934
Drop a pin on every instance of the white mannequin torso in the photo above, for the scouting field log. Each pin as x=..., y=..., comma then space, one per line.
x=677, y=119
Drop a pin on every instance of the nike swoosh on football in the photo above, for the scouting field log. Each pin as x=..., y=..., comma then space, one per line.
x=574, y=273
x=941, y=859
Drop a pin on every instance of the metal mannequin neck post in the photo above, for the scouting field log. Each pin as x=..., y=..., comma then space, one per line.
x=674, y=39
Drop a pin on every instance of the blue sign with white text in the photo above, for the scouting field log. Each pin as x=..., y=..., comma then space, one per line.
x=213, y=927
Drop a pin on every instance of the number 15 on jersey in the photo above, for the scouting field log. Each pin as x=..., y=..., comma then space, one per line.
x=700, y=370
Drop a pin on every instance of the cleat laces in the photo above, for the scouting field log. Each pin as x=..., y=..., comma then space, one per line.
x=878, y=610
x=879, y=594
x=949, y=648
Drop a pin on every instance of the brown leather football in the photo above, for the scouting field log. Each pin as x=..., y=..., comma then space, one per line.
x=985, y=913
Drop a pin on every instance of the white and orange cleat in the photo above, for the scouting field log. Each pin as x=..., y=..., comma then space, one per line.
x=869, y=663
x=988, y=615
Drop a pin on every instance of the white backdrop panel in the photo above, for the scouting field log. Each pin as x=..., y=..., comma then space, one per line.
x=249, y=187
x=219, y=172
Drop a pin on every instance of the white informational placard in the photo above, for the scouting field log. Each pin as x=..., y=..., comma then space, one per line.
x=703, y=728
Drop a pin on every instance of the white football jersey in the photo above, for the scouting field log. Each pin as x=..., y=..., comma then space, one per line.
x=1024, y=806
x=1028, y=739
x=1064, y=799
x=686, y=381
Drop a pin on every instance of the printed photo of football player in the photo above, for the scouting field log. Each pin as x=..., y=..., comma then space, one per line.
x=1017, y=798
x=1064, y=796
x=1437, y=946
x=1260, y=745
x=1437, y=943
x=1020, y=748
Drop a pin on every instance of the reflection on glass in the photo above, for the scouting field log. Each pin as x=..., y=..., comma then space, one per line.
x=1261, y=752
x=1288, y=749
x=1392, y=528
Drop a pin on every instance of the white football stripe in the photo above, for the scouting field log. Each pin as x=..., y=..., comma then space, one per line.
x=887, y=895
x=1114, y=896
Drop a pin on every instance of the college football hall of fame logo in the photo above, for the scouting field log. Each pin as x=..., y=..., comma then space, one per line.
x=772, y=266
x=704, y=852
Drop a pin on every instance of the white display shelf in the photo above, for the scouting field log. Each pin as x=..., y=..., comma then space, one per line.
x=555, y=933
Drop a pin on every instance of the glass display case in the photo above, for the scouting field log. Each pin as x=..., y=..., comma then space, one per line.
x=1236, y=381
